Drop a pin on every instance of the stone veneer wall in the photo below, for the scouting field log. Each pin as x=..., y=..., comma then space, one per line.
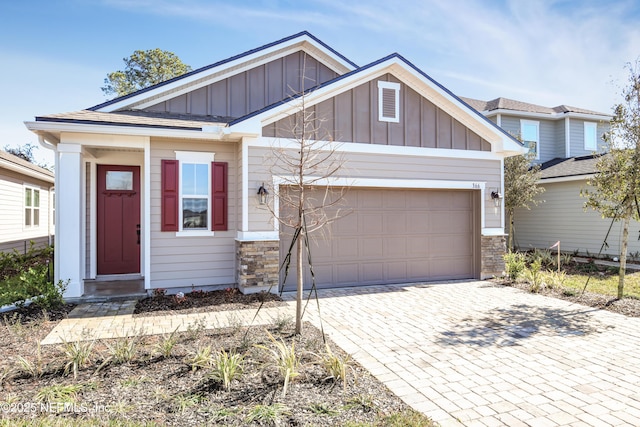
x=257, y=263
x=493, y=249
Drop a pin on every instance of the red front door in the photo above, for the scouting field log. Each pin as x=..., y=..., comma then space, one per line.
x=118, y=219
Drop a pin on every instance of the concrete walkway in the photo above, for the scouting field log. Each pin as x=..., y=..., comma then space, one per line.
x=471, y=353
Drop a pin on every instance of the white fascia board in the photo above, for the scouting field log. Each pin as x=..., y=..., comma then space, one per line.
x=356, y=147
x=251, y=236
x=545, y=116
x=26, y=171
x=383, y=183
x=228, y=69
x=56, y=127
x=566, y=179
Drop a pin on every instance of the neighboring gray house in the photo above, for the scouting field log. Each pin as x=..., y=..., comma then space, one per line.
x=175, y=169
x=565, y=140
x=26, y=202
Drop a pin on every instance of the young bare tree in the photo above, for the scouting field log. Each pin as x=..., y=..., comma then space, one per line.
x=305, y=161
x=615, y=187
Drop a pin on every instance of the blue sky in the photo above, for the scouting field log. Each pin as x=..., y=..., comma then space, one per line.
x=56, y=54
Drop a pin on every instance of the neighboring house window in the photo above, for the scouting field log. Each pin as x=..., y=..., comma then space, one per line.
x=530, y=132
x=388, y=102
x=31, y=207
x=194, y=194
x=590, y=136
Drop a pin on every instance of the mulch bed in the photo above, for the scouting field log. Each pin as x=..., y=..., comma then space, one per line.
x=203, y=301
x=166, y=391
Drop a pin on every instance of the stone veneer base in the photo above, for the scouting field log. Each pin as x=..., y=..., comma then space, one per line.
x=257, y=264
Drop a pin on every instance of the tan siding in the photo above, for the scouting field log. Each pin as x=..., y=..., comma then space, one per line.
x=385, y=167
x=352, y=116
x=186, y=261
x=251, y=90
x=12, y=227
x=562, y=217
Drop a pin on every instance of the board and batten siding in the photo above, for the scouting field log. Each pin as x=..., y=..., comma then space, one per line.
x=576, y=131
x=352, y=116
x=250, y=90
x=13, y=232
x=363, y=165
x=562, y=217
x=178, y=261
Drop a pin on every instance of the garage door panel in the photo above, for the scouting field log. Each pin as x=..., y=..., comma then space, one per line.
x=395, y=247
x=395, y=236
x=371, y=271
x=397, y=270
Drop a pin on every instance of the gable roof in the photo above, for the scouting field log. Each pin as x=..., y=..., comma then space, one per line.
x=406, y=71
x=203, y=75
x=16, y=164
x=570, y=168
x=497, y=104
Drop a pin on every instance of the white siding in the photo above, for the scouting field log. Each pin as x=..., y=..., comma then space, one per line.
x=13, y=232
x=385, y=167
x=198, y=261
x=562, y=217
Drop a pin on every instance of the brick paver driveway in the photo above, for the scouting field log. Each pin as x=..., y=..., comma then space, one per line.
x=471, y=353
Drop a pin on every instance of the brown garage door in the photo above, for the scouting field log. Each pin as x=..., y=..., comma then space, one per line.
x=395, y=236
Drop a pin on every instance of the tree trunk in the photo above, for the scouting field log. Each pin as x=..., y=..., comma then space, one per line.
x=510, y=245
x=623, y=254
x=300, y=284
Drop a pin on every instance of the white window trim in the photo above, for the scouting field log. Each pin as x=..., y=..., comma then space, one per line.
x=24, y=207
x=396, y=88
x=594, y=126
x=537, y=125
x=197, y=158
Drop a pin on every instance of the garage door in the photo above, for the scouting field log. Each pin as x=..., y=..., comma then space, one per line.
x=395, y=236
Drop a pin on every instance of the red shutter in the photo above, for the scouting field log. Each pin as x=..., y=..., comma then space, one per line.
x=170, y=202
x=219, y=196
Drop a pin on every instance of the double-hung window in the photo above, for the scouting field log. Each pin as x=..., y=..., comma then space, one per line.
x=530, y=132
x=194, y=194
x=31, y=207
x=590, y=136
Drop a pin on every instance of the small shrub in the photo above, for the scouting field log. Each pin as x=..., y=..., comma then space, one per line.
x=33, y=369
x=284, y=359
x=77, y=355
x=406, y=418
x=52, y=295
x=195, y=328
x=167, y=343
x=159, y=292
x=514, y=264
x=322, y=409
x=281, y=322
x=226, y=367
x=361, y=402
x=534, y=276
x=201, y=359
x=122, y=350
x=6, y=373
x=267, y=414
x=555, y=280
x=59, y=393
x=335, y=366
x=184, y=401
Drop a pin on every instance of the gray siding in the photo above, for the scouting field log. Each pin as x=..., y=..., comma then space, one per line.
x=577, y=137
x=352, y=116
x=548, y=136
x=186, y=261
x=251, y=90
x=385, y=167
x=562, y=217
x=560, y=139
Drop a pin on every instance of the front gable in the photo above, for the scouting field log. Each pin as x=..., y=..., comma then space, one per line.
x=241, y=84
x=354, y=116
x=251, y=90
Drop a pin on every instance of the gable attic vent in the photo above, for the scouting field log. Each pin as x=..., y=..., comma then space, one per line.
x=388, y=102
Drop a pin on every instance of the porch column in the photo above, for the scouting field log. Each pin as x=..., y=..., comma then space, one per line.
x=68, y=248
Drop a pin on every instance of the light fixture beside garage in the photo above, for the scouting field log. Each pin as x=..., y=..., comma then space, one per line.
x=496, y=197
x=262, y=195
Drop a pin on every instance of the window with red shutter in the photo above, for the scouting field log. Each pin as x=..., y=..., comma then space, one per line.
x=219, y=196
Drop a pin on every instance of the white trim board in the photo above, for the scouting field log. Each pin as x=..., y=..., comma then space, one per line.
x=356, y=147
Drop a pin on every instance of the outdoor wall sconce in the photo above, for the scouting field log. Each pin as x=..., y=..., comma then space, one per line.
x=496, y=197
x=262, y=195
